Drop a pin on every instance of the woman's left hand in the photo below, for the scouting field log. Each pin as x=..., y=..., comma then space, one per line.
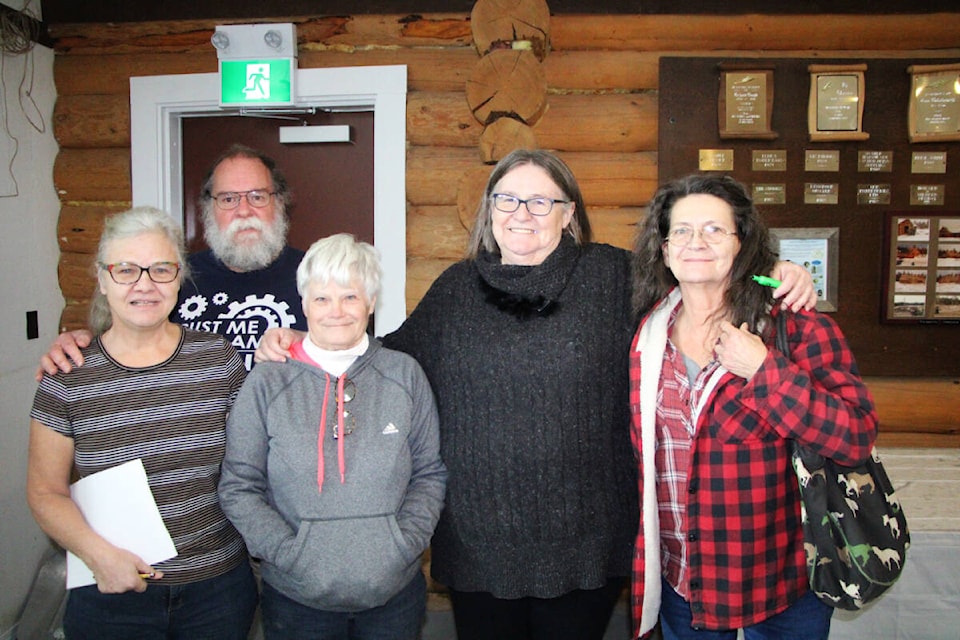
x=740, y=351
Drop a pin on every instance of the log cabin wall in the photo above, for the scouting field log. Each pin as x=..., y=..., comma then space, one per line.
x=601, y=114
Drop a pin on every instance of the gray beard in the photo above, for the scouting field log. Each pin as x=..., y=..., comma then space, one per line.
x=245, y=258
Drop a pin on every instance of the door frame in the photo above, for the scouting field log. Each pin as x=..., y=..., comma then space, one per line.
x=159, y=103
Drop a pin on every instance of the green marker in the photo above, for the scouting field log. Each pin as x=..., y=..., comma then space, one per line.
x=767, y=281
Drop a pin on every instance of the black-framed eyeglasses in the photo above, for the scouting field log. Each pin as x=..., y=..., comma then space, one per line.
x=349, y=422
x=683, y=235
x=258, y=198
x=536, y=206
x=130, y=273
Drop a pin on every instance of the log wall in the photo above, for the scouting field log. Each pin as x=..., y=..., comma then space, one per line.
x=601, y=114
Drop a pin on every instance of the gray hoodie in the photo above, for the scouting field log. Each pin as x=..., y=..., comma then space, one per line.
x=335, y=542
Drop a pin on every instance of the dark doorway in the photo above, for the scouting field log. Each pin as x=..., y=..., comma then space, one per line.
x=332, y=183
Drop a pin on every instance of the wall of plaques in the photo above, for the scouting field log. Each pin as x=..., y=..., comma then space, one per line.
x=845, y=158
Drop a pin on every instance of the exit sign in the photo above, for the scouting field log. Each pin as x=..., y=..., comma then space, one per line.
x=266, y=82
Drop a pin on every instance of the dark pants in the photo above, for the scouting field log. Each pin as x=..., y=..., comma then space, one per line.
x=401, y=618
x=805, y=619
x=220, y=608
x=578, y=615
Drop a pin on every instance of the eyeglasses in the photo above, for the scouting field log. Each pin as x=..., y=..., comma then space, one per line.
x=231, y=199
x=130, y=273
x=536, y=206
x=683, y=235
x=349, y=422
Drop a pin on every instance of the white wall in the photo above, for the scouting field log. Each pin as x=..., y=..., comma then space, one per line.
x=29, y=209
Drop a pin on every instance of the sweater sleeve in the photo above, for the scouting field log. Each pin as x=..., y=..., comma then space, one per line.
x=243, y=479
x=815, y=394
x=420, y=511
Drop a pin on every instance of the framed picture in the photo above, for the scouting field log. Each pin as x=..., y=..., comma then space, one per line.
x=934, y=110
x=835, y=109
x=745, y=103
x=922, y=268
x=818, y=250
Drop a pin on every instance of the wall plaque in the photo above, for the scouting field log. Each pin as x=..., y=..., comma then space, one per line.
x=769, y=159
x=716, y=159
x=875, y=161
x=769, y=194
x=835, y=109
x=934, y=110
x=873, y=194
x=821, y=160
x=745, y=104
x=928, y=162
x=926, y=194
x=821, y=193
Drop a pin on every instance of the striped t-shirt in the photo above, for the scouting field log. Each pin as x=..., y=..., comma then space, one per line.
x=172, y=416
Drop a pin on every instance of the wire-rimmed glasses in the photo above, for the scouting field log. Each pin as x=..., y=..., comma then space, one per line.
x=682, y=235
x=258, y=198
x=349, y=422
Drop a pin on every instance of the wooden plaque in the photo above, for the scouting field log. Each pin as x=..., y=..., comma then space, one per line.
x=934, y=110
x=835, y=109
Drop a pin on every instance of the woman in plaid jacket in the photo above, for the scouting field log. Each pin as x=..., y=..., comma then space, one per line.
x=720, y=545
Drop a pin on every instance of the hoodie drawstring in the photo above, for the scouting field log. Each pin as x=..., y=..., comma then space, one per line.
x=320, y=436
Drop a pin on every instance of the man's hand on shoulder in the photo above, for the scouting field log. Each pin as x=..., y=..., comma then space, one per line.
x=275, y=344
x=64, y=354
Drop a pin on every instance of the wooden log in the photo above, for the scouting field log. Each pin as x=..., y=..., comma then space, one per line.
x=917, y=405
x=507, y=83
x=432, y=69
x=435, y=232
x=817, y=32
x=616, y=225
x=617, y=122
x=72, y=73
x=94, y=175
x=90, y=121
x=500, y=23
x=77, y=279
x=433, y=173
x=421, y=272
x=603, y=70
x=503, y=136
x=75, y=315
x=80, y=226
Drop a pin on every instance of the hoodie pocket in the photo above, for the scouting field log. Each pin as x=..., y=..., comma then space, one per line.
x=346, y=564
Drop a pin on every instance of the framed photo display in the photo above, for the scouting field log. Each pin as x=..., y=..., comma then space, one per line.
x=922, y=268
x=835, y=109
x=818, y=250
x=934, y=110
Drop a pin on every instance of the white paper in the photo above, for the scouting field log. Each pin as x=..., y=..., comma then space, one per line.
x=117, y=504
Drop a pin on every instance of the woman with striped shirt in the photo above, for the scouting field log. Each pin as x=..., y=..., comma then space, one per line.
x=149, y=390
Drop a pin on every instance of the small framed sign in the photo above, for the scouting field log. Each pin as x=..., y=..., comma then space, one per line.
x=817, y=249
x=934, y=111
x=835, y=110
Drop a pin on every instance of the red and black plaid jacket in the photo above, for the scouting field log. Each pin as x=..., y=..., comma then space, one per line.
x=744, y=539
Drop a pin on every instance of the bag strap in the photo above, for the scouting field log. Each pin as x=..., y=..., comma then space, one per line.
x=812, y=461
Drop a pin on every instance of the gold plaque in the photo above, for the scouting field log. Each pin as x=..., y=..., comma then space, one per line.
x=926, y=194
x=928, y=162
x=716, y=159
x=769, y=194
x=769, y=160
x=821, y=193
x=934, y=110
x=873, y=194
x=875, y=161
x=745, y=105
x=821, y=160
x=835, y=110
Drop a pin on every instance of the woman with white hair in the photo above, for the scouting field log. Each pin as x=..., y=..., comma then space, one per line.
x=333, y=472
x=152, y=390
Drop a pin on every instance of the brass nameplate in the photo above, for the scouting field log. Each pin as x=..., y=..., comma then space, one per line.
x=873, y=194
x=875, y=161
x=928, y=162
x=716, y=159
x=937, y=102
x=769, y=194
x=838, y=102
x=769, y=159
x=746, y=102
x=821, y=160
x=926, y=194
x=821, y=193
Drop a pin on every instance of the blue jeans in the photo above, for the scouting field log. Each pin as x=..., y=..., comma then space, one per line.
x=805, y=619
x=399, y=619
x=219, y=608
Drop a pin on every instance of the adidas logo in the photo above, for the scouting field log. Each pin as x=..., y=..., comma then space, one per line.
x=390, y=429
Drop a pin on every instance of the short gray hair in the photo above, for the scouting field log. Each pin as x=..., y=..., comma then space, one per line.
x=342, y=259
x=129, y=224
